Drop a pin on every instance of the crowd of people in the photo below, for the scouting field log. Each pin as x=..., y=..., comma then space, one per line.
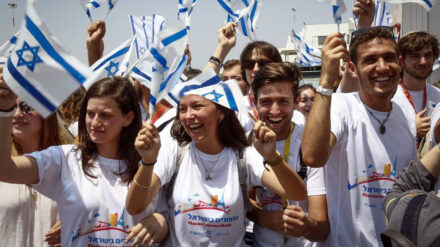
x=337, y=165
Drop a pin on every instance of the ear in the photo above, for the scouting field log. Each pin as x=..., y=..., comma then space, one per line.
x=128, y=118
x=221, y=116
x=401, y=61
x=352, y=70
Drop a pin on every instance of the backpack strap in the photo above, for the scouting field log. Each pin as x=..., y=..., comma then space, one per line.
x=242, y=178
x=181, y=151
x=397, y=237
x=411, y=217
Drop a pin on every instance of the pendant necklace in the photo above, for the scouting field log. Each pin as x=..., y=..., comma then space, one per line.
x=207, y=176
x=382, y=128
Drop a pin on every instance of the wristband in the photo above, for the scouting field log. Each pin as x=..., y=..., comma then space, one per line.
x=151, y=164
x=216, y=61
x=9, y=112
x=324, y=91
x=275, y=162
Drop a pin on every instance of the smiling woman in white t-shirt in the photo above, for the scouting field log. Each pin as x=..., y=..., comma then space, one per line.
x=89, y=181
x=206, y=207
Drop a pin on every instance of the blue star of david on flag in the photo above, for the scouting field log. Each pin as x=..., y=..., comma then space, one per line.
x=22, y=61
x=112, y=69
x=215, y=96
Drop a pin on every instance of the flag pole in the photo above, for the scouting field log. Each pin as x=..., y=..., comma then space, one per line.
x=13, y=6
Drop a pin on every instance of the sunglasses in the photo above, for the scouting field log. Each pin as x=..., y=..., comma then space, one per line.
x=25, y=108
x=358, y=32
x=250, y=64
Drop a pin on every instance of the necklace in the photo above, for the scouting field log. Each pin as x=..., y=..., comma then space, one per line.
x=382, y=128
x=207, y=175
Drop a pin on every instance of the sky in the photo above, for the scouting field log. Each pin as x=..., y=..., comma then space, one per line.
x=68, y=22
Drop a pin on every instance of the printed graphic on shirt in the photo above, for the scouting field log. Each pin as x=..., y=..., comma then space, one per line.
x=373, y=182
x=99, y=223
x=266, y=197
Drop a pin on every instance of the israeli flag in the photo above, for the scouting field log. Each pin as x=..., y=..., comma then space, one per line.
x=115, y=63
x=90, y=5
x=427, y=4
x=146, y=29
x=6, y=49
x=338, y=9
x=436, y=64
x=380, y=14
x=210, y=86
x=243, y=12
x=39, y=70
x=306, y=55
x=185, y=9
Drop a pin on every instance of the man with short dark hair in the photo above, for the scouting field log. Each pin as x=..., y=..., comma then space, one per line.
x=364, y=139
x=232, y=70
x=417, y=52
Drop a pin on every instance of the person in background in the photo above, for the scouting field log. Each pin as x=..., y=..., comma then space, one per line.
x=232, y=70
x=304, y=98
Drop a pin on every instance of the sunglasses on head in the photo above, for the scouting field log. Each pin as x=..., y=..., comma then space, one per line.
x=25, y=108
x=358, y=32
x=250, y=64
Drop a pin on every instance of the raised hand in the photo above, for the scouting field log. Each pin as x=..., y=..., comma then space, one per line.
x=364, y=10
x=333, y=51
x=264, y=140
x=95, y=44
x=7, y=97
x=147, y=143
x=226, y=35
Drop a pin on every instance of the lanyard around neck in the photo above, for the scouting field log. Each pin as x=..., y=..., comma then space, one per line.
x=286, y=156
x=408, y=96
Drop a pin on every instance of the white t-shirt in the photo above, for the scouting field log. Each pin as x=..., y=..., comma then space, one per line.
x=272, y=202
x=362, y=168
x=25, y=216
x=207, y=213
x=434, y=118
x=92, y=211
x=298, y=118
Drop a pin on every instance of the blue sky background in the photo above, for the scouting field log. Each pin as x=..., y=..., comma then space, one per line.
x=68, y=22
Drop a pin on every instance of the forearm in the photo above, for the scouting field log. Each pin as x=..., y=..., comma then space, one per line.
x=93, y=53
x=316, y=230
x=315, y=143
x=5, y=147
x=272, y=220
x=432, y=161
x=291, y=185
x=220, y=52
x=141, y=190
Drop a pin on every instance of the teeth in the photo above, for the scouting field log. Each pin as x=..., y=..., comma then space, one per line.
x=383, y=79
x=194, y=126
x=276, y=119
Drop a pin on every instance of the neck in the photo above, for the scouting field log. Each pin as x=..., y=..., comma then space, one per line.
x=211, y=148
x=284, y=134
x=378, y=104
x=29, y=144
x=412, y=83
x=108, y=150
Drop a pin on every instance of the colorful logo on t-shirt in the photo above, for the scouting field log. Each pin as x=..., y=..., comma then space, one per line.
x=195, y=203
x=372, y=175
x=97, y=223
x=267, y=197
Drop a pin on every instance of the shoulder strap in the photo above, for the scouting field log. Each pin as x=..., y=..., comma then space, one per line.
x=397, y=237
x=181, y=151
x=242, y=178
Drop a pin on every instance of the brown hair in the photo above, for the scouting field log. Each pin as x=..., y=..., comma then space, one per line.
x=122, y=92
x=415, y=41
x=277, y=72
x=303, y=88
x=370, y=34
x=231, y=64
x=261, y=47
x=229, y=130
x=70, y=108
x=53, y=133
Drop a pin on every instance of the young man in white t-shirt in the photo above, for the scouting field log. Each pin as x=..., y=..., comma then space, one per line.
x=417, y=52
x=364, y=139
x=280, y=222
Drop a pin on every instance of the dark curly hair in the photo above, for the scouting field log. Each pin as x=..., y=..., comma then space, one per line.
x=415, y=41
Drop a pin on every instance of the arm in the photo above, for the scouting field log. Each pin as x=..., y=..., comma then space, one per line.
x=318, y=141
x=145, y=184
x=226, y=41
x=151, y=229
x=95, y=44
x=314, y=227
x=364, y=10
x=279, y=177
x=21, y=169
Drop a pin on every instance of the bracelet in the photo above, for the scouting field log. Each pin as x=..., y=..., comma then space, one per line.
x=146, y=164
x=140, y=185
x=324, y=91
x=216, y=61
x=9, y=112
x=275, y=162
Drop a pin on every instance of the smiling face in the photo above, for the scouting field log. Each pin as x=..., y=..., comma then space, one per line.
x=104, y=120
x=275, y=105
x=26, y=126
x=305, y=102
x=199, y=118
x=378, y=70
x=418, y=64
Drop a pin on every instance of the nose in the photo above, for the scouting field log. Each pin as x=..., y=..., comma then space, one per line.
x=96, y=122
x=423, y=60
x=382, y=65
x=256, y=68
x=275, y=109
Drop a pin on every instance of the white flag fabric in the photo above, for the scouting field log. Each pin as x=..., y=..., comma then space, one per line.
x=210, y=86
x=185, y=9
x=427, y=4
x=6, y=49
x=90, y=5
x=382, y=17
x=39, y=70
x=115, y=63
x=306, y=55
x=436, y=64
x=146, y=30
x=243, y=12
x=338, y=7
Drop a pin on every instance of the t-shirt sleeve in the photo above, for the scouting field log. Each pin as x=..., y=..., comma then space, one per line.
x=315, y=181
x=255, y=167
x=166, y=161
x=50, y=165
x=434, y=118
x=338, y=111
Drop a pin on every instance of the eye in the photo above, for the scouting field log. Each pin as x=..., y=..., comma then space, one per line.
x=106, y=116
x=237, y=78
x=90, y=114
x=182, y=109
